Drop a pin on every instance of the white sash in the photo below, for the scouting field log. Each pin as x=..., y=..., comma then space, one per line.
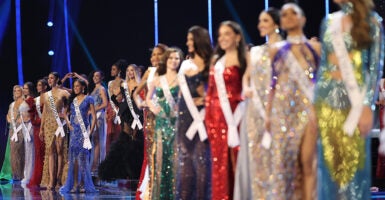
x=27, y=129
x=60, y=124
x=151, y=75
x=136, y=121
x=15, y=130
x=166, y=92
x=356, y=96
x=38, y=107
x=87, y=143
x=231, y=120
x=297, y=74
x=116, y=110
x=198, y=116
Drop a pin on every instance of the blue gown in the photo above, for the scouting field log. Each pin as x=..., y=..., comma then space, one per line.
x=77, y=153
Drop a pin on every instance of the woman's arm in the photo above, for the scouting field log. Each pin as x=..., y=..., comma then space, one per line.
x=153, y=108
x=142, y=85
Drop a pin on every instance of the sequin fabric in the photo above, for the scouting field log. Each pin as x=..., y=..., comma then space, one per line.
x=289, y=118
x=193, y=178
x=253, y=164
x=343, y=161
x=17, y=148
x=223, y=158
x=79, y=157
x=164, y=181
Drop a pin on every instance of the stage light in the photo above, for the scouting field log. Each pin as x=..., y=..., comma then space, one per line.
x=49, y=23
x=51, y=53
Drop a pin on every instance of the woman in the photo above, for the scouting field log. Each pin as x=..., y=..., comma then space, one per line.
x=16, y=134
x=193, y=153
x=29, y=92
x=98, y=92
x=351, y=66
x=165, y=88
x=253, y=157
x=148, y=129
x=225, y=80
x=79, y=176
x=42, y=87
x=124, y=160
x=113, y=120
x=53, y=130
x=293, y=140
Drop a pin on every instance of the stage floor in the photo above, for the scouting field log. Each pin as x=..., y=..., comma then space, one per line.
x=114, y=190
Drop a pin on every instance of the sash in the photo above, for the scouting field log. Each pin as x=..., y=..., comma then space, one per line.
x=116, y=110
x=27, y=129
x=298, y=74
x=231, y=120
x=60, y=124
x=166, y=91
x=87, y=143
x=38, y=107
x=136, y=121
x=198, y=116
x=151, y=75
x=15, y=130
x=356, y=96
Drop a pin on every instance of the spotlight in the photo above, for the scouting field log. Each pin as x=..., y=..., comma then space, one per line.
x=51, y=53
x=49, y=23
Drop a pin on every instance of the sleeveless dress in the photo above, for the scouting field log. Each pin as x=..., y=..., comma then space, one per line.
x=17, y=150
x=193, y=169
x=28, y=145
x=164, y=138
x=101, y=130
x=223, y=158
x=344, y=162
x=38, y=146
x=253, y=163
x=6, y=170
x=77, y=154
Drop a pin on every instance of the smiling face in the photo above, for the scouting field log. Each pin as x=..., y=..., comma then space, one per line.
x=156, y=55
x=17, y=92
x=78, y=88
x=114, y=71
x=227, y=38
x=25, y=90
x=292, y=17
x=266, y=25
x=97, y=77
x=130, y=72
x=173, y=61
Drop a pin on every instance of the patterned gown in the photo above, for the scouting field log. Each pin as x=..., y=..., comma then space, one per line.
x=223, y=158
x=344, y=164
x=17, y=149
x=193, y=174
x=101, y=131
x=289, y=118
x=253, y=163
x=39, y=148
x=77, y=154
x=164, y=182
x=28, y=145
x=50, y=126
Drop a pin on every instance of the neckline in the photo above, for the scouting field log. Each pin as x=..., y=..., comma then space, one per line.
x=298, y=39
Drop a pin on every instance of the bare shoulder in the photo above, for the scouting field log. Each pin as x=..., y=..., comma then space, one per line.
x=316, y=46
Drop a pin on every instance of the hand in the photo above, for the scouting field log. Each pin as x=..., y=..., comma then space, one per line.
x=70, y=127
x=248, y=93
x=156, y=110
x=365, y=122
x=41, y=136
x=268, y=125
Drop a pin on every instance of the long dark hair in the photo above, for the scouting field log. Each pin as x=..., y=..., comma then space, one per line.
x=44, y=82
x=360, y=17
x=31, y=88
x=73, y=95
x=202, y=47
x=91, y=84
x=241, y=47
x=120, y=64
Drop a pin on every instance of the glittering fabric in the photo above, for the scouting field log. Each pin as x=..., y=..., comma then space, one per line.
x=193, y=174
x=343, y=161
x=50, y=126
x=28, y=146
x=6, y=170
x=79, y=157
x=380, y=168
x=223, y=158
x=100, y=131
x=17, y=148
x=165, y=130
x=289, y=118
x=253, y=163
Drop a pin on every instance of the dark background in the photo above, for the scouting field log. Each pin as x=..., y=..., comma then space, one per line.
x=102, y=31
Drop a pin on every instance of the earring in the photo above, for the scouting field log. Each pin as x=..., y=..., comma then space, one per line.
x=277, y=30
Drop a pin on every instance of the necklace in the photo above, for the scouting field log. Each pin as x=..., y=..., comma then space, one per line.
x=298, y=39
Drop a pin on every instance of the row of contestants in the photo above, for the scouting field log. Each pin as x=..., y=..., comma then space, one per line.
x=296, y=94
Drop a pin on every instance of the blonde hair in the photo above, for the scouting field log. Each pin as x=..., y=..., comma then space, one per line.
x=13, y=91
x=136, y=73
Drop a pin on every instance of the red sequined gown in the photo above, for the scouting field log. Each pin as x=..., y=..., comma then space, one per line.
x=38, y=145
x=223, y=158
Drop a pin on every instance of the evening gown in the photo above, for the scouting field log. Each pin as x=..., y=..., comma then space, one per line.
x=27, y=107
x=38, y=146
x=164, y=180
x=17, y=150
x=6, y=170
x=344, y=162
x=193, y=169
x=77, y=155
x=223, y=158
x=125, y=157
